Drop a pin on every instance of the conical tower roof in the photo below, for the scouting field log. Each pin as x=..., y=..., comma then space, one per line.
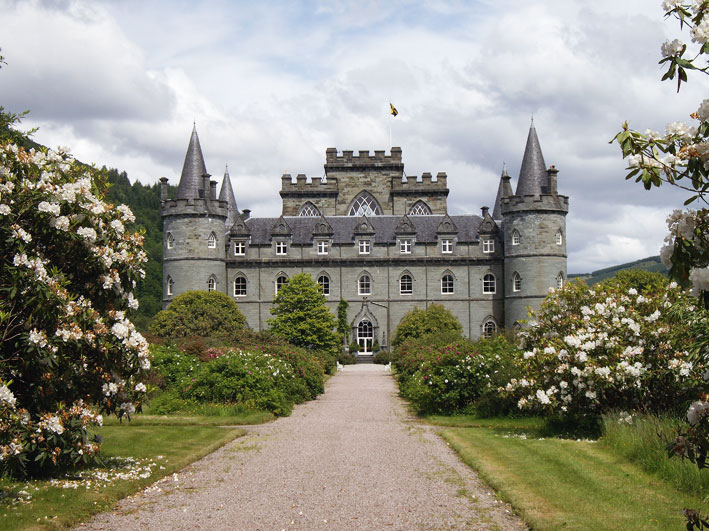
x=227, y=194
x=533, y=177
x=503, y=190
x=192, y=170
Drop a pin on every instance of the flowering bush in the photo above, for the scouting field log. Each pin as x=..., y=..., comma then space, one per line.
x=68, y=268
x=451, y=374
x=588, y=351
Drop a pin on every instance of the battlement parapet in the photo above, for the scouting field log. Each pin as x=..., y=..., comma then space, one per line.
x=194, y=207
x=302, y=183
x=363, y=159
x=546, y=202
x=425, y=183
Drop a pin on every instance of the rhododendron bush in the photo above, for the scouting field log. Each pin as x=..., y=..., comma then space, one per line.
x=68, y=267
x=587, y=351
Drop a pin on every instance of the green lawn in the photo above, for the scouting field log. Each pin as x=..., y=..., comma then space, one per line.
x=161, y=446
x=558, y=483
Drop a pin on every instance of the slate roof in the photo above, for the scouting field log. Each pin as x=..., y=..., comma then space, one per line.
x=227, y=194
x=343, y=228
x=192, y=170
x=533, y=177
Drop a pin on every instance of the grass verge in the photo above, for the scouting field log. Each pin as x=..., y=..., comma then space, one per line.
x=565, y=483
x=156, y=446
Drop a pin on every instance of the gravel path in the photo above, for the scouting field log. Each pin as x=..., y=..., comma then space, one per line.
x=352, y=459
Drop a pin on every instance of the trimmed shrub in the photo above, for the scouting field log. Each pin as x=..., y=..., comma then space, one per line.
x=434, y=320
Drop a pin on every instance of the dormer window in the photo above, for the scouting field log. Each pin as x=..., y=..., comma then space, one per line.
x=515, y=237
x=365, y=246
x=170, y=240
x=405, y=246
x=281, y=248
x=239, y=248
x=212, y=241
x=323, y=247
x=488, y=246
x=446, y=246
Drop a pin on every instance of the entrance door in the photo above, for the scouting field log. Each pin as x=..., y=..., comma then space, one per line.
x=365, y=337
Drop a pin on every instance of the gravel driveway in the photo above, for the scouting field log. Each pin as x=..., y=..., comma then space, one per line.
x=352, y=459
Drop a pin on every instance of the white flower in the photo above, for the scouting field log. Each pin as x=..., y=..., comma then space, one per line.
x=140, y=387
x=700, y=279
x=542, y=396
x=53, y=424
x=120, y=330
x=632, y=291
x=669, y=5
x=61, y=223
x=666, y=255
x=703, y=111
x=126, y=213
x=670, y=49
x=128, y=408
x=110, y=389
x=53, y=208
x=117, y=226
x=697, y=411
x=87, y=233
x=6, y=396
x=591, y=394
x=521, y=403
x=684, y=131
x=4, y=210
x=700, y=33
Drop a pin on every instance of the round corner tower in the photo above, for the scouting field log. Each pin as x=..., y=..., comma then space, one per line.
x=194, y=246
x=535, y=235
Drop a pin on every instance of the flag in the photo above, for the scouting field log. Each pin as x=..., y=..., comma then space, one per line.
x=393, y=110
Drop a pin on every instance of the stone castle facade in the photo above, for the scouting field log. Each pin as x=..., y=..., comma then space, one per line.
x=375, y=237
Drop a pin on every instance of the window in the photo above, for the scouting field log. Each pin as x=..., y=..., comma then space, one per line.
x=364, y=205
x=211, y=284
x=559, y=238
x=239, y=248
x=446, y=246
x=405, y=246
x=365, y=336
x=420, y=209
x=324, y=282
x=170, y=240
x=323, y=246
x=364, y=246
x=364, y=285
x=212, y=241
x=281, y=248
x=488, y=246
x=515, y=237
x=560, y=280
x=489, y=284
x=447, y=284
x=489, y=328
x=281, y=281
x=309, y=209
x=239, y=286
x=406, y=285
x=516, y=282
x=170, y=285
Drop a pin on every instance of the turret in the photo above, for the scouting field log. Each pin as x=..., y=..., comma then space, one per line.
x=503, y=190
x=226, y=194
x=194, y=239
x=534, y=221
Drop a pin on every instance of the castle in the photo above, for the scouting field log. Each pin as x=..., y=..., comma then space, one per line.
x=375, y=237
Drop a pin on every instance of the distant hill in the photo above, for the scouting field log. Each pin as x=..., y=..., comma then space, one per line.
x=651, y=263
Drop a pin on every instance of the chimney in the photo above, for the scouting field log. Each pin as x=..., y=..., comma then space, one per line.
x=163, y=188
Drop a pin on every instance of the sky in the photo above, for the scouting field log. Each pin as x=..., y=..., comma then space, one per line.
x=272, y=84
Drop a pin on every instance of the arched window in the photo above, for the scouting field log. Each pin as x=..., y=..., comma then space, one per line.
x=560, y=280
x=365, y=205
x=212, y=241
x=420, y=209
x=515, y=237
x=324, y=282
x=308, y=210
x=516, y=282
x=170, y=240
x=489, y=328
x=365, y=336
x=211, y=284
x=281, y=281
x=559, y=238
x=364, y=285
x=170, y=284
x=489, y=283
x=406, y=284
x=239, y=286
x=447, y=284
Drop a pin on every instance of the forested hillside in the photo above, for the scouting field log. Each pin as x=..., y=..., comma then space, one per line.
x=144, y=201
x=651, y=263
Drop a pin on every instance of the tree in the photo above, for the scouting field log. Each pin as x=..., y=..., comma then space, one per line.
x=301, y=316
x=680, y=157
x=342, y=325
x=638, y=279
x=68, y=268
x=200, y=313
x=436, y=319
